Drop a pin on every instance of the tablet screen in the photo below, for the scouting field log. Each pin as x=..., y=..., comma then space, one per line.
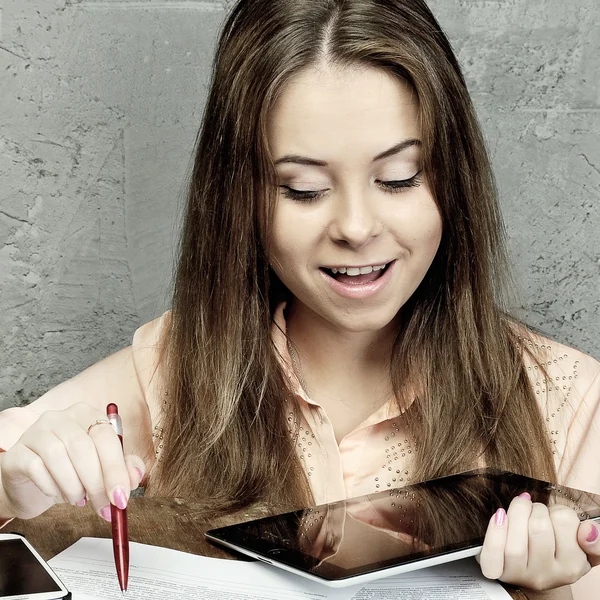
x=20, y=571
x=397, y=526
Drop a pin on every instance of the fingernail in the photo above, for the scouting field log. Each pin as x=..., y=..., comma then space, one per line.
x=105, y=513
x=525, y=495
x=592, y=535
x=500, y=517
x=140, y=474
x=120, y=498
x=81, y=502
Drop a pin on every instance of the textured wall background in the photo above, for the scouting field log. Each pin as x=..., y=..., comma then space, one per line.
x=99, y=106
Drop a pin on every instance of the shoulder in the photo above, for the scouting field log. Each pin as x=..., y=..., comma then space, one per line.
x=147, y=353
x=566, y=383
x=556, y=369
x=147, y=344
x=152, y=332
x=128, y=376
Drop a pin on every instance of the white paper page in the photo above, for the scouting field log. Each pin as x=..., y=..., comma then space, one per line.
x=155, y=573
x=460, y=580
x=87, y=568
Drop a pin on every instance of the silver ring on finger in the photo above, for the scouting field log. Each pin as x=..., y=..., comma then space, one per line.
x=98, y=422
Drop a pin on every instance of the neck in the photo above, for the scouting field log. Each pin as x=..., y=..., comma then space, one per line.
x=340, y=364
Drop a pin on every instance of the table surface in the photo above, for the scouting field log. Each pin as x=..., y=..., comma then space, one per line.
x=171, y=523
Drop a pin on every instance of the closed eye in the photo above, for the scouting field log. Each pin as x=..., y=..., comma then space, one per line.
x=302, y=195
x=392, y=186
x=400, y=185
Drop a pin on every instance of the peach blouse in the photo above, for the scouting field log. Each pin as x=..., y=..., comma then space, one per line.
x=375, y=456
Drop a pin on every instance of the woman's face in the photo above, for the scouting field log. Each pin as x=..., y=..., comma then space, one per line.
x=355, y=227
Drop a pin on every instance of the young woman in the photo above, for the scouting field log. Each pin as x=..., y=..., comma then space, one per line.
x=338, y=324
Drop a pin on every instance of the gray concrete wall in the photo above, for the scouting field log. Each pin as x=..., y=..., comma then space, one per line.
x=99, y=105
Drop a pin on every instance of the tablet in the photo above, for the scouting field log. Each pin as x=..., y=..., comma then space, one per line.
x=395, y=531
x=24, y=574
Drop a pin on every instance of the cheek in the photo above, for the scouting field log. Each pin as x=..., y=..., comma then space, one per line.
x=425, y=227
x=279, y=254
x=435, y=233
x=286, y=243
x=431, y=219
x=297, y=234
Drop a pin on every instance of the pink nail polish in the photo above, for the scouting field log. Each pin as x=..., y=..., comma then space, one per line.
x=525, y=495
x=105, y=513
x=140, y=474
x=120, y=498
x=500, y=517
x=592, y=535
x=81, y=502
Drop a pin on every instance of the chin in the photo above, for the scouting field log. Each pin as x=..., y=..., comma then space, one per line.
x=368, y=322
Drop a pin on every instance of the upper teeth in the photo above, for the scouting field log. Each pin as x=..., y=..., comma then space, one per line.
x=353, y=271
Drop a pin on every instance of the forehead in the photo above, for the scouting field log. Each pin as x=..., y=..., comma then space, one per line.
x=328, y=111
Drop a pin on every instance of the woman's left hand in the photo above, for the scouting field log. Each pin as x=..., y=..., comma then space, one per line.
x=539, y=547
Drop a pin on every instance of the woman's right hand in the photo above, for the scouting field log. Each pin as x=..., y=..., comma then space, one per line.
x=58, y=460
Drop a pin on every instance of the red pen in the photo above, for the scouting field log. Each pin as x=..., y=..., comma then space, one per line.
x=118, y=516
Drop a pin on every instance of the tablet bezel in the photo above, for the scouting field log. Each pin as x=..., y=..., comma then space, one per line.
x=300, y=563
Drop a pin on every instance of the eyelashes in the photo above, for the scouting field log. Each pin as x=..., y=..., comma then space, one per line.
x=301, y=195
x=402, y=184
x=391, y=187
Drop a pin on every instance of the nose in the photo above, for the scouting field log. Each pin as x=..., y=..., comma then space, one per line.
x=354, y=221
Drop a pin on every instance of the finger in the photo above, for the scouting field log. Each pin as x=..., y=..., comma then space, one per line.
x=117, y=486
x=82, y=453
x=136, y=470
x=571, y=558
x=116, y=477
x=491, y=558
x=517, y=539
x=588, y=538
x=22, y=465
x=542, y=545
x=53, y=453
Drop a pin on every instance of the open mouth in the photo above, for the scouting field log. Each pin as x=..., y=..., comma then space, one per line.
x=356, y=275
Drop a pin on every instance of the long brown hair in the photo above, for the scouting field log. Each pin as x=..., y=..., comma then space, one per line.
x=226, y=435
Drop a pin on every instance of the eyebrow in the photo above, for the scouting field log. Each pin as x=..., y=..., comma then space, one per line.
x=304, y=160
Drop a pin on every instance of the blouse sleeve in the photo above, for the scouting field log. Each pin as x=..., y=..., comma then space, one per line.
x=579, y=465
x=566, y=383
x=129, y=378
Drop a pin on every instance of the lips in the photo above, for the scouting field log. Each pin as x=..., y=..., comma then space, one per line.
x=357, y=275
x=359, y=286
x=354, y=271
